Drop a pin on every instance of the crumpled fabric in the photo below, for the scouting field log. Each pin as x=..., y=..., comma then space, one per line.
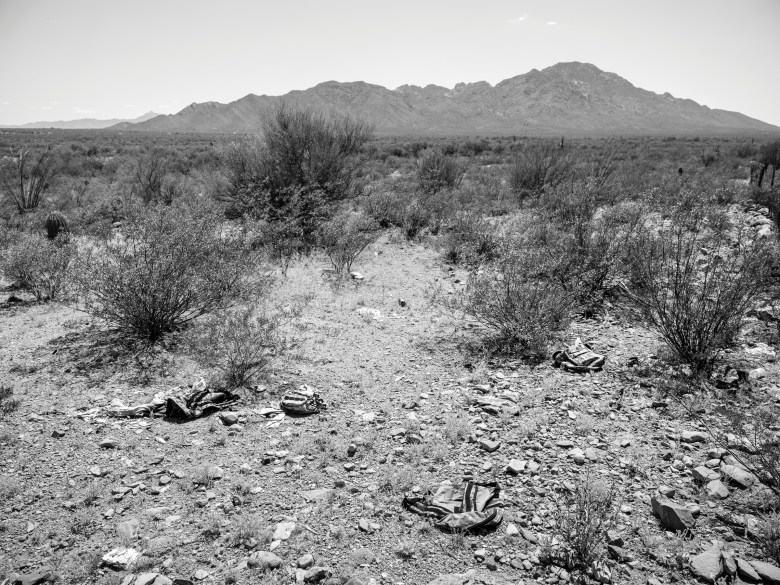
x=470, y=508
x=578, y=358
x=179, y=406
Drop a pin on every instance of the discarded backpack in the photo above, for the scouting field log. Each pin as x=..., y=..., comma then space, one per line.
x=578, y=358
x=199, y=403
x=304, y=400
x=475, y=507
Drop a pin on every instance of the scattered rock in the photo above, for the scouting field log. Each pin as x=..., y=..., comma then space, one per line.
x=673, y=516
x=128, y=528
x=769, y=573
x=316, y=574
x=737, y=475
x=707, y=566
x=120, y=558
x=264, y=560
x=283, y=530
x=746, y=571
x=693, y=437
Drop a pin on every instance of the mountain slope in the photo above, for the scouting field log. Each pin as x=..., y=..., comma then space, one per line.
x=85, y=123
x=576, y=98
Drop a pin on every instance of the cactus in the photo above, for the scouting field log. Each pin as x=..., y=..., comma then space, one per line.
x=56, y=224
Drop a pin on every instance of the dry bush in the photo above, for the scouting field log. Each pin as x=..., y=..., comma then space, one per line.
x=471, y=239
x=524, y=310
x=769, y=536
x=39, y=265
x=302, y=163
x=344, y=237
x=170, y=265
x=540, y=165
x=24, y=178
x=437, y=172
x=8, y=403
x=694, y=285
x=242, y=343
x=583, y=518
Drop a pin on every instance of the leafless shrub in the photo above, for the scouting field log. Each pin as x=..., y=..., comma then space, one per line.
x=8, y=403
x=170, y=265
x=437, y=172
x=242, y=343
x=344, y=237
x=583, y=518
x=693, y=285
x=522, y=308
x=24, y=178
x=540, y=165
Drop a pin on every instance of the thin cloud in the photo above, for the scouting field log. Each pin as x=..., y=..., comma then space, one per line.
x=5, y=103
x=161, y=106
x=520, y=18
x=55, y=102
x=82, y=111
x=47, y=107
x=129, y=105
x=550, y=23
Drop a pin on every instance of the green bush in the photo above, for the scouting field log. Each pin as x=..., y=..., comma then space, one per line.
x=39, y=265
x=170, y=265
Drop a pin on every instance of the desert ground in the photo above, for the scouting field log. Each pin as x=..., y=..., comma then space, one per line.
x=635, y=465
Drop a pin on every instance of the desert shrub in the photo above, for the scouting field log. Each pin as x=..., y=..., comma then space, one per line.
x=302, y=163
x=344, y=237
x=25, y=177
x=149, y=173
x=769, y=536
x=524, y=310
x=415, y=219
x=39, y=265
x=583, y=518
x=385, y=207
x=754, y=441
x=471, y=239
x=242, y=343
x=693, y=285
x=437, y=172
x=540, y=165
x=8, y=403
x=745, y=150
x=170, y=265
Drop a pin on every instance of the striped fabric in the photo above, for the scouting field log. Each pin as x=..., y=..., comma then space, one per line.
x=475, y=507
x=303, y=400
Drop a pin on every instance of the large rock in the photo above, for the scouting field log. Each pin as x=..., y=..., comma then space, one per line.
x=121, y=558
x=704, y=474
x=283, y=530
x=693, y=437
x=264, y=560
x=738, y=476
x=769, y=573
x=45, y=575
x=717, y=489
x=316, y=574
x=707, y=566
x=746, y=571
x=672, y=515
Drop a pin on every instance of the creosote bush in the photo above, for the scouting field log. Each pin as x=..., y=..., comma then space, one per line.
x=693, y=285
x=344, y=237
x=524, y=310
x=583, y=519
x=540, y=165
x=170, y=265
x=242, y=343
x=437, y=172
x=302, y=163
x=39, y=265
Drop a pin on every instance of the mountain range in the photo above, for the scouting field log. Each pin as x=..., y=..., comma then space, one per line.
x=568, y=98
x=85, y=123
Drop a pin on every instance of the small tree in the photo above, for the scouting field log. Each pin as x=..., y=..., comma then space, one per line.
x=302, y=163
x=26, y=177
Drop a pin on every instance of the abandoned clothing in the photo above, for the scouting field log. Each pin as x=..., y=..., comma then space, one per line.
x=475, y=507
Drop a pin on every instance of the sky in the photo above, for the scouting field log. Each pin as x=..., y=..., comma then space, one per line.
x=69, y=59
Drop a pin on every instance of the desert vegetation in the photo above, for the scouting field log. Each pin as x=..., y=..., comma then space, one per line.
x=422, y=285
